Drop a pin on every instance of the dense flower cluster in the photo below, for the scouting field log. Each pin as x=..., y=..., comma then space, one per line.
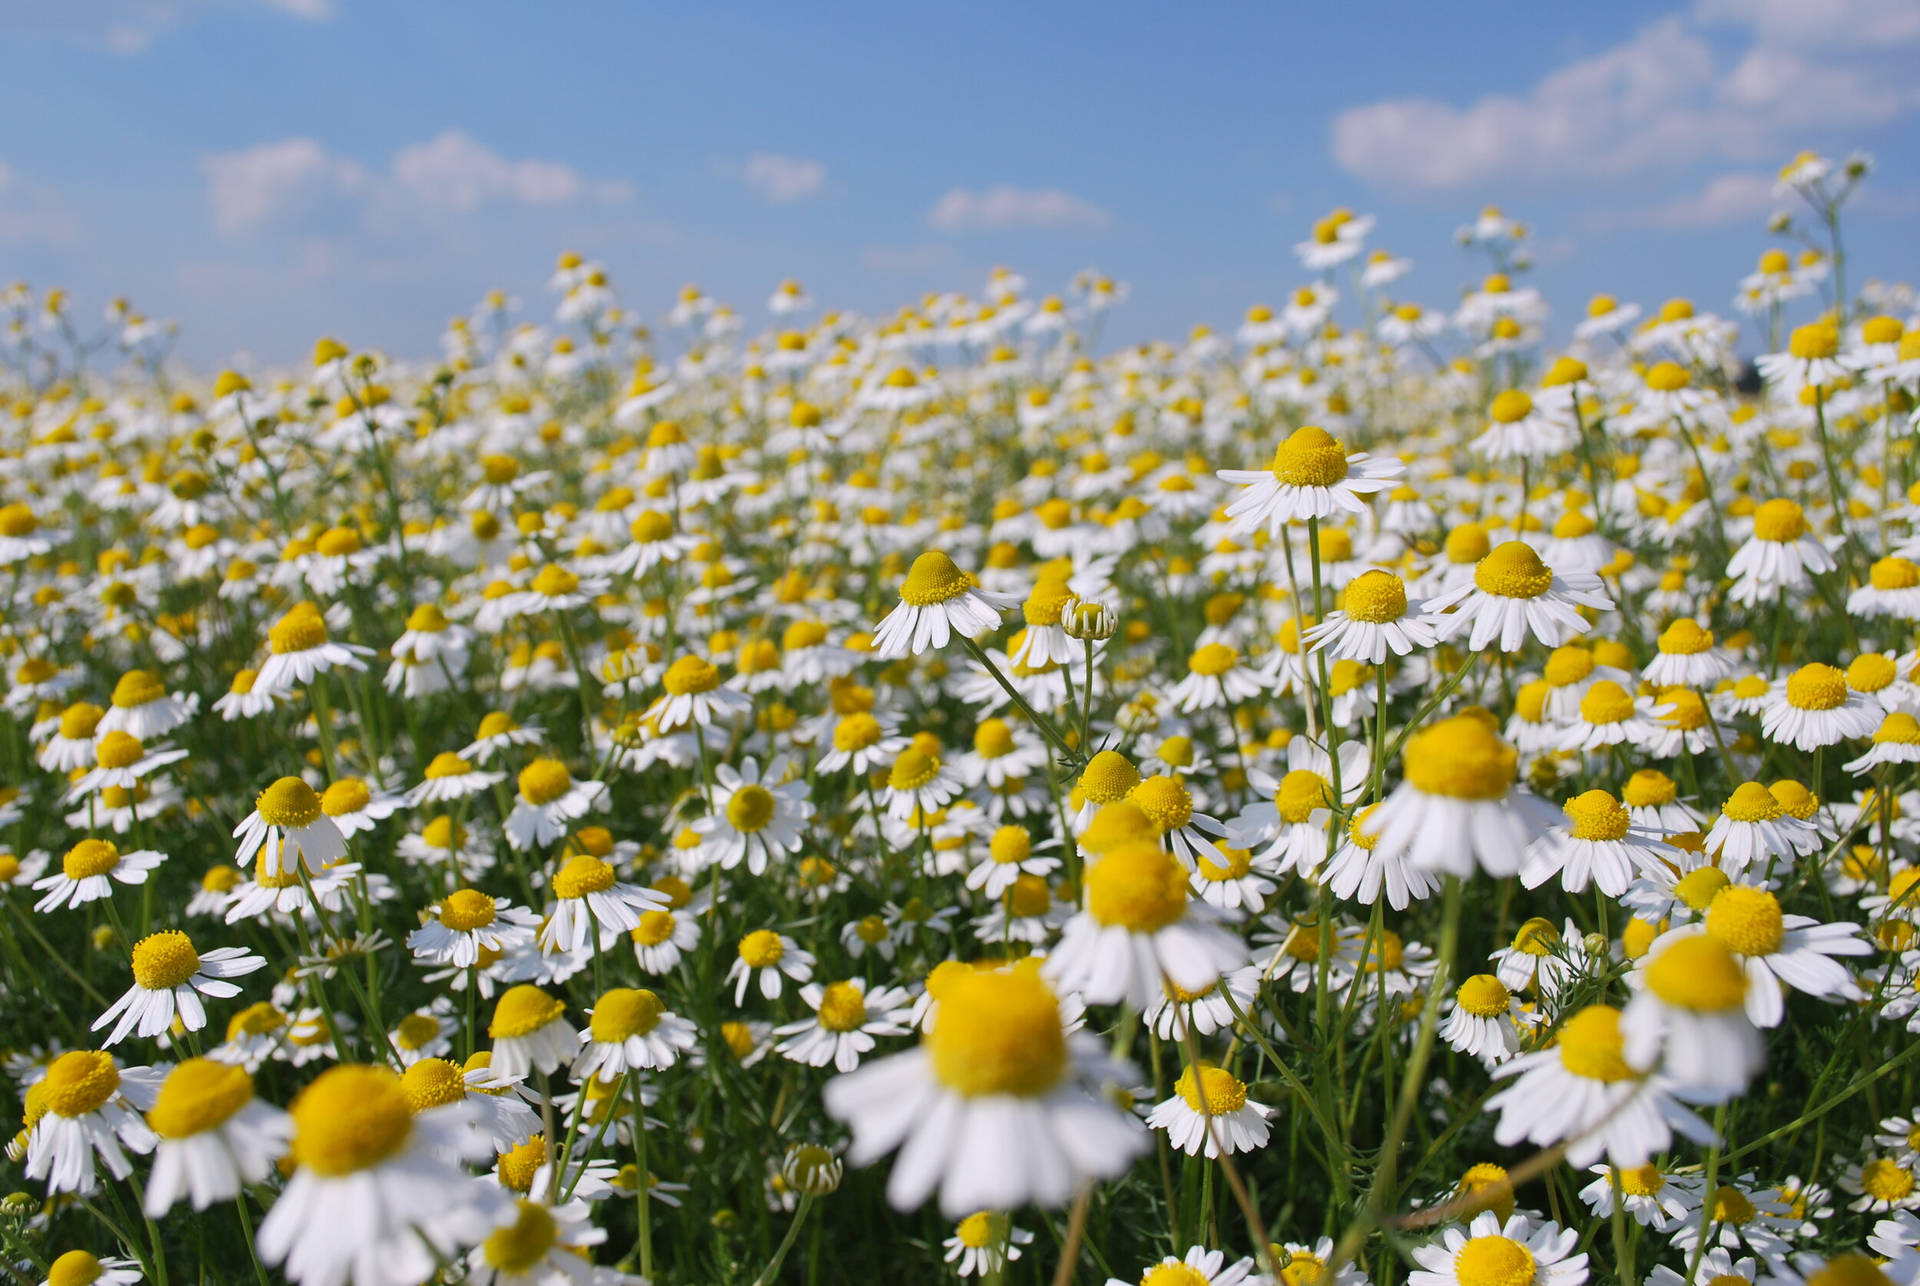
x=1366, y=794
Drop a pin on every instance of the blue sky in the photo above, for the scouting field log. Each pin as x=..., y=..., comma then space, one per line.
x=266, y=171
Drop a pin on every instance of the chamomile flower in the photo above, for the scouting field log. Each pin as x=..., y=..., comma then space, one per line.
x=449, y=777
x=213, y=1136
x=530, y=1032
x=936, y=600
x=1754, y=830
x=694, y=697
x=89, y=871
x=169, y=978
x=1375, y=617
x=998, y=1107
x=548, y=804
x=1312, y=476
x=85, y=1107
x=467, y=924
x=1688, y=1019
x=984, y=1243
x=753, y=821
x=288, y=826
x=1210, y=1112
x=1140, y=926
x=1485, y=1020
x=1814, y=707
x=299, y=651
x=767, y=956
x=377, y=1191
x=848, y=1016
x=1597, y=841
x=1492, y=1252
x=629, y=1029
x=592, y=899
x=1512, y=595
x=1459, y=806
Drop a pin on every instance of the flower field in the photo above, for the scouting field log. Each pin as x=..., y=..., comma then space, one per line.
x=1386, y=793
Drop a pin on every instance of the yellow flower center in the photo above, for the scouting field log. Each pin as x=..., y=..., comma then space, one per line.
x=1685, y=638
x=1310, y=457
x=1849, y=1270
x=164, y=960
x=1137, y=886
x=1028, y=896
x=690, y=675
x=289, y=803
x=1817, y=687
x=1493, y=1261
x=519, y=1247
x=1779, y=521
x=1751, y=802
x=857, y=732
x=79, y=1082
x=625, y=1012
x=1698, y=888
x=1746, y=919
x=1668, y=377
x=1699, y=974
x=1239, y=862
x=1010, y=844
x=1871, y=671
x=517, y=1166
x=89, y=857
x=348, y=795
x=1730, y=1205
x=350, y=1118
x=1815, y=339
x=1568, y=665
x=137, y=688
x=843, y=1007
x=467, y=909
x=1173, y=1273
x=993, y=738
x=76, y=1267
x=1591, y=1045
x=1220, y=1089
x=583, y=874
x=1164, y=800
x=118, y=750
x=1606, y=702
x=1301, y=794
x=1513, y=570
x=982, y=1229
x=933, y=578
x=1510, y=407
x=298, y=631
x=998, y=1032
x=197, y=1096
x=1895, y=573
x=750, y=809
x=1641, y=1181
x=1213, y=660
x=1462, y=758
x=1649, y=788
x=1885, y=1180
x=1108, y=777
x=523, y=1010
x=1484, y=996
x=1376, y=597
x=433, y=1082
x=554, y=581
x=544, y=780
x=762, y=949
x=1596, y=816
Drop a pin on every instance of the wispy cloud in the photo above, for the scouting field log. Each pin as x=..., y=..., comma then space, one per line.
x=1666, y=98
x=1004, y=206
x=293, y=182
x=1741, y=197
x=784, y=178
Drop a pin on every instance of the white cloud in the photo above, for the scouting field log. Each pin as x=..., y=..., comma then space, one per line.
x=1004, y=206
x=276, y=181
x=296, y=182
x=455, y=171
x=1663, y=99
x=784, y=178
x=1740, y=197
x=129, y=27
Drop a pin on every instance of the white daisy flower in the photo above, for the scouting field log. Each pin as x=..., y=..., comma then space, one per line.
x=1210, y=1112
x=847, y=1018
x=936, y=600
x=1312, y=476
x=170, y=977
x=213, y=1136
